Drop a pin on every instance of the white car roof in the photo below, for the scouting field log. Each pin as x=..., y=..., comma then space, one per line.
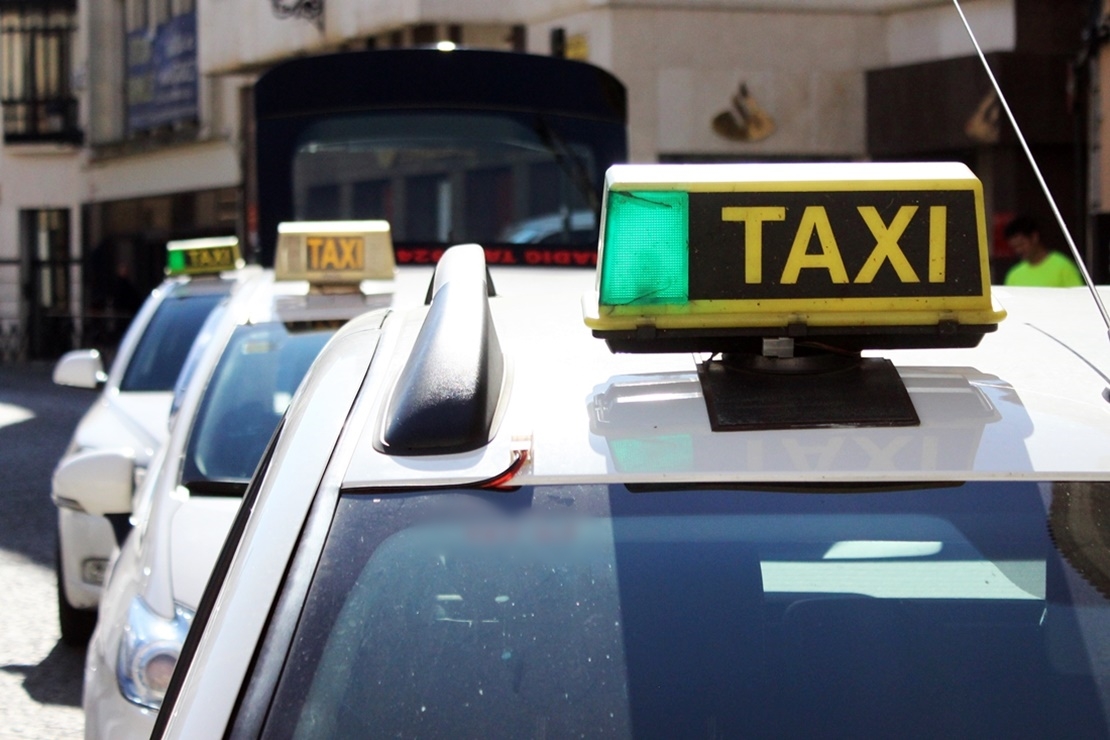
x=1028, y=402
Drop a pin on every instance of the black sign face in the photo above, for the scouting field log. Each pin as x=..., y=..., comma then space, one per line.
x=209, y=259
x=838, y=244
x=335, y=253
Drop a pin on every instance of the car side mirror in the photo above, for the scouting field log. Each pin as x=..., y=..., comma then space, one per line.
x=81, y=368
x=96, y=482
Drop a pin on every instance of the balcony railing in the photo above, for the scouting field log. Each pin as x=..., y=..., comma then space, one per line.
x=41, y=120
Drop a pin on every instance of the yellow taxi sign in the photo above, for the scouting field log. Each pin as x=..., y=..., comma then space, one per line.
x=334, y=252
x=794, y=250
x=206, y=256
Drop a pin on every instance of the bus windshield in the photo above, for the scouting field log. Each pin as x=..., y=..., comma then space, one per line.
x=446, y=177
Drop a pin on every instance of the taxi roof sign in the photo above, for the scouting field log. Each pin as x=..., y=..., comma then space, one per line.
x=206, y=256
x=864, y=254
x=334, y=252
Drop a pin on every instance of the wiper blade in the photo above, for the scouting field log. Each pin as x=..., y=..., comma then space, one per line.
x=227, y=488
x=568, y=161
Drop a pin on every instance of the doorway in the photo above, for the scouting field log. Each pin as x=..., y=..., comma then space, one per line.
x=44, y=244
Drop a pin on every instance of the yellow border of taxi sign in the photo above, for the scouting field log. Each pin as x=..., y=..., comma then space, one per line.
x=766, y=246
x=204, y=256
x=334, y=252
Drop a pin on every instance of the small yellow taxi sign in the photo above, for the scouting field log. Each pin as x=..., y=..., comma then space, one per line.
x=205, y=256
x=794, y=250
x=334, y=252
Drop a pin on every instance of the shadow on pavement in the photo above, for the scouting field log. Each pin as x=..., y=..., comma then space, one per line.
x=29, y=449
x=57, y=679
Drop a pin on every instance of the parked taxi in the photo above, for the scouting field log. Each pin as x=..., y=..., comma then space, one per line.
x=234, y=388
x=786, y=467
x=132, y=409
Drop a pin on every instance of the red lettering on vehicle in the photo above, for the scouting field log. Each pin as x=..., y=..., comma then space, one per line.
x=500, y=256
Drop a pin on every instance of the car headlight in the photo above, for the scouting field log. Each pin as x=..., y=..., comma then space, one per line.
x=148, y=652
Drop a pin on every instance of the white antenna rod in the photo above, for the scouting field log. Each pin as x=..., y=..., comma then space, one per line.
x=1036, y=170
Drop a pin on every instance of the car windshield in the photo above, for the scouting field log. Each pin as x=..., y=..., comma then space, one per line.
x=249, y=391
x=446, y=178
x=559, y=611
x=165, y=343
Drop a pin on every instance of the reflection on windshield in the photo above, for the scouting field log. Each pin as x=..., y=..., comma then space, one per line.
x=625, y=413
x=164, y=345
x=592, y=609
x=246, y=397
x=449, y=178
x=1079, y=520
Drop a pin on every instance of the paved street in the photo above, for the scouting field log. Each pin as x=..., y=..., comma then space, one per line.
x=40, y=678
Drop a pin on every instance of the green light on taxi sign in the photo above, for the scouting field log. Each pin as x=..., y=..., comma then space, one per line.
x=207, y=256
x=646, y=248
x=175, y=263
x=793, y=250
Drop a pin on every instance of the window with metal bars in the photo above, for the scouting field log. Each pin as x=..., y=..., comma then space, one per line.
x=35, y=67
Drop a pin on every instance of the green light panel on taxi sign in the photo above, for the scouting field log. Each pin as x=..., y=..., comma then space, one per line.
x=175, y=263
x=645, y=258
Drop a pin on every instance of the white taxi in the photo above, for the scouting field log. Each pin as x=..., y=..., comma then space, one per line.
x=800, y=474
x=233, y=390
x=133, y=407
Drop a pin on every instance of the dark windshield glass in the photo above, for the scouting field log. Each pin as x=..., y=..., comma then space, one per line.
x=451, y=177
x=249, y=391
x=595, y=610
x=165, y=344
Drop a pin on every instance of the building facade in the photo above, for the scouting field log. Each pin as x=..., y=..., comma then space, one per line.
x=39, y=175
x=1096, y=65
x=157, y=140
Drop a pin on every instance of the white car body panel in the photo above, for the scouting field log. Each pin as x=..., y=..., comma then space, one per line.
x=82, y=536
x=199, y=528
x=138, y=421
x=107, y=712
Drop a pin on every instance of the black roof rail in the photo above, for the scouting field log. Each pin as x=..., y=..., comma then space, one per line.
x=446, y=396
x=438, y=276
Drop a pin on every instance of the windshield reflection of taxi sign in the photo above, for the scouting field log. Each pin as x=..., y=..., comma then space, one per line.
x=203, y=256
x=864, y=249
x=334, y=252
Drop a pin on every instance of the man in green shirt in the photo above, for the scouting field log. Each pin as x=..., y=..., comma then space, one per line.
x=1039, y=266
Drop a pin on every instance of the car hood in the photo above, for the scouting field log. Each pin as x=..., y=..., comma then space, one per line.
x=139, y=421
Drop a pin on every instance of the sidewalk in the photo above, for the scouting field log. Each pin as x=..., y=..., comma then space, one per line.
x=37, y=419
x=40, y=678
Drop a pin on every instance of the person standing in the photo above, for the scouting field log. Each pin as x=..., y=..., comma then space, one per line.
x=1039, y=266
